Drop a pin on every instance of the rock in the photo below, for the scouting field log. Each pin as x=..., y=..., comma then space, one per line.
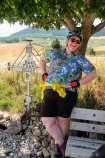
x=37, y=132
x=45, y=143
x=37, y=114
x=33, y=118
x=51, y=152
x=40, y=153
x=26, y=137
x=14, y=128
x=1, y=115
x=44, y=132
x=6, y=116
x=38, y=145
x=52, y=142
x=45, y=152
x=35, y=139
x=38, y=107
x=2, y=121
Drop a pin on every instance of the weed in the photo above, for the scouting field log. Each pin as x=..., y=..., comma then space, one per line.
x=91, y=51
x=87, y=100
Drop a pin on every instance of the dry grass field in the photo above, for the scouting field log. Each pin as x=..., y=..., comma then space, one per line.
x=98, y=85
x=10, y=52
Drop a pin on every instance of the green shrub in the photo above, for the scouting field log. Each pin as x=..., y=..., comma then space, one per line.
x=56, y=43
x=87, y=100
x=91, y=51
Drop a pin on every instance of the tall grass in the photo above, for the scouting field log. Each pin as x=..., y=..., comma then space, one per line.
x=13, y=91
x=93, y=93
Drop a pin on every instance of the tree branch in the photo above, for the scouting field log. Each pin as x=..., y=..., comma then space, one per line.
x=98, y=27
x=79, y=11
x=61, y=21
x=69, y=21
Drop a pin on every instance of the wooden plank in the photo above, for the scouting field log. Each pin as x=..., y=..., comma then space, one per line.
x=87, y=127
x=80, y=147
x=78, y=152
x=88, y=114
x=83, y=144
x=85, y=140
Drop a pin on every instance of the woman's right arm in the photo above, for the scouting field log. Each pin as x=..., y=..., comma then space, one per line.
x=42, y=64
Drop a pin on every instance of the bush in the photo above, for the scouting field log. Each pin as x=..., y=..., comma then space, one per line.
x=88, y=99
x=56, y=43
x=91, y=51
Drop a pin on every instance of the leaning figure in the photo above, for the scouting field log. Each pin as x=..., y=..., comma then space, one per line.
x=61, y=87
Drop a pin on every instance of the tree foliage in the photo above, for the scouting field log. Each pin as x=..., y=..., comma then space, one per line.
x=73, y=14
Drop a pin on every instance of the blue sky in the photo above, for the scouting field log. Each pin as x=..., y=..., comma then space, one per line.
x=7, y=29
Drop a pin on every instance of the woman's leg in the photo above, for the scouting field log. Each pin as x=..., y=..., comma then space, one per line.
x=54, y=129
x=62, y=122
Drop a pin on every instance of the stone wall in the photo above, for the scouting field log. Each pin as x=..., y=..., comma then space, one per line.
x=33, y=136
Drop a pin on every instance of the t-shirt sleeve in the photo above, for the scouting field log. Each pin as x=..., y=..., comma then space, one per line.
x=47, y=56
x=86, y=65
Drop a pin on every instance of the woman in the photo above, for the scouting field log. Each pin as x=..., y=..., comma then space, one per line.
x=61, y=87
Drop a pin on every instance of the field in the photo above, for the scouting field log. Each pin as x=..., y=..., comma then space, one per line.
x=12, y=96
x=10, y=52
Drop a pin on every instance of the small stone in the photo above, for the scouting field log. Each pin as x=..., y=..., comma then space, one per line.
x=37, y=132
x=45, y=143
x=33, y=118
x=1, y=115
x=44, y=132
x=20, y=154
x=35, y=139
x=11, y=154
x=38, y=145
x=6, y=116
x=45, y=152
x=40, y=153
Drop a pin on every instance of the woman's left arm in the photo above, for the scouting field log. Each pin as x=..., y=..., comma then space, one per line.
x=88, y=78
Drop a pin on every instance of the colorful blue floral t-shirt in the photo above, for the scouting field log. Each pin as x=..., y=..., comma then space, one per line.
x=63, y=66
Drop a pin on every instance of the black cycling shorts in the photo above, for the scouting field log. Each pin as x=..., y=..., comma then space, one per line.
x=53, y=105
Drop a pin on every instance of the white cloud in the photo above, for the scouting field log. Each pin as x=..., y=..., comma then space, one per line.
x=7, y=29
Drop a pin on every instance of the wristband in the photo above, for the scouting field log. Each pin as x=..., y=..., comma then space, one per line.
x=44, y=76
x=75, y=83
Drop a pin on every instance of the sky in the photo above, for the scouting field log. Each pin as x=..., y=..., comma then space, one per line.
x=7, y=29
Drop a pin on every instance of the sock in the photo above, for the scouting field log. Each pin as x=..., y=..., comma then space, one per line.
x=62, y=144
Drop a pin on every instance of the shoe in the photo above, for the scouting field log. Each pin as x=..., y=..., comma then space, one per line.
x=57, y=152
x=62, y=149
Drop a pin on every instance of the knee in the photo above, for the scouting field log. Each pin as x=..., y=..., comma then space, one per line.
x=48, y=123
x=44, y=121
x=62, y=122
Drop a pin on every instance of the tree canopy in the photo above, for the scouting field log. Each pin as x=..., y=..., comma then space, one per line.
x=73, y=14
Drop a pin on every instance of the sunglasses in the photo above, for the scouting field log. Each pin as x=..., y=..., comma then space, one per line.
x=73, y=40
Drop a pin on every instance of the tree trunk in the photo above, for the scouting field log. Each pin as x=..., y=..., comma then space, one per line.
x=83, y=46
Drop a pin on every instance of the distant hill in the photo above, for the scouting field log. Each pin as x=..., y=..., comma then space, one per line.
x=100, y=33
x=41, y=37
x=42, y=33
x=50, y=33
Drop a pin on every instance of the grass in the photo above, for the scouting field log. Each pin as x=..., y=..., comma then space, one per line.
x=93, y=93
x=13, y=94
